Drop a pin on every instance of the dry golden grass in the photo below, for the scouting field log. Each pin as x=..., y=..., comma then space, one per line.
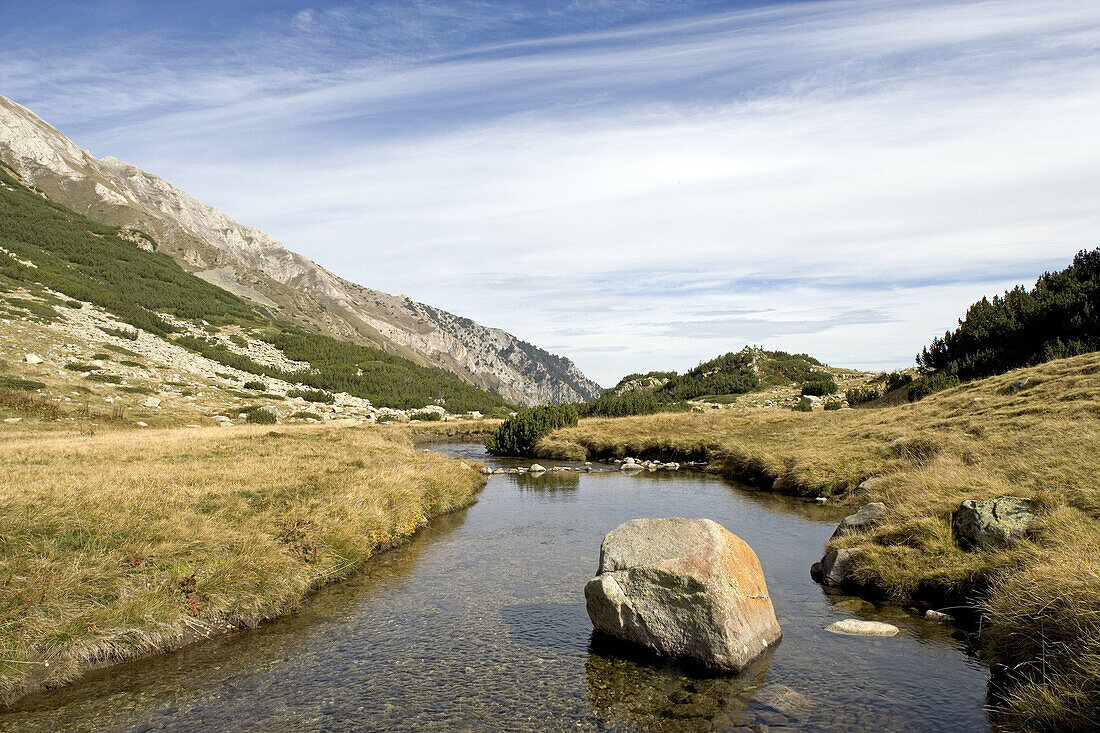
x=976, y=441
x=124, y=543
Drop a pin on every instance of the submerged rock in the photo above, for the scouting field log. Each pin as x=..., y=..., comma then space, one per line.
x=992, y=524
x=939, y=616
x=866, y=518
x=858, y=627
x=685, y=588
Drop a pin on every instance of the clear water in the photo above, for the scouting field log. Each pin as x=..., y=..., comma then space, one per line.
x=478, y=623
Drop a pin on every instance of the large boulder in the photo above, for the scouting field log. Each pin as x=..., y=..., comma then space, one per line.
x=991, y=524
x=685, y=588
x=869, y=516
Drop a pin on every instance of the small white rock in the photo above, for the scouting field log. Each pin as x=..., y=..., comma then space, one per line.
x=858, y=627
x=34, y=359
x=938, y=616
x=12, y=420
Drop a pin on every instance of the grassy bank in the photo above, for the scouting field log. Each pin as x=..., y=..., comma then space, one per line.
x=976, y=441
x=125, y=543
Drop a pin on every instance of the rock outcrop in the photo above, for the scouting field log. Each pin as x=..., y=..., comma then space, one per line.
x=991, y=524
x=251, y=264
x=685, y=588
x=835, y=569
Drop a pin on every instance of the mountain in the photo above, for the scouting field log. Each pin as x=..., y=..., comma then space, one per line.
x=249, y=263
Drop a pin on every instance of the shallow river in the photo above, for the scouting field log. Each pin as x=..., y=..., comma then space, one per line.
x=479, y=623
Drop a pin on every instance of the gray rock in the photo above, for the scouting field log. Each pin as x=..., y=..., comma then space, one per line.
x=938, y=616
x=536, y=468
x=866, y=518
x=834, y=569
x=858, y=627
x=685, y=588
x=991, y=524
x=780, y=697
x=1019, y=384
x=151, y=402
x=809, y=399
x=33, y=359
x=631, y=467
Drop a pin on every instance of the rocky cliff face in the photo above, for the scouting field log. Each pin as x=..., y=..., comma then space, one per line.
x=251, y=264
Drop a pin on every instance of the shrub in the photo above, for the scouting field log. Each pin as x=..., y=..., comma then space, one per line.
x=803, y=407
x=630, y=402
x=897, y=380
x=819, y=384
x=101, y=356
x=255, y=385
x=929, y=383
x=833, y=405
x=120, y=350
x=23, y=385
x=257, y=415
x=518, y=435
x=29, y=404
x=107, y=378
x=238, y=340
x=860, y=395
x=127, y=362
x=122, y=333
x=312, y=395
x=426, y=415
x=304, y=415
x=76, y=366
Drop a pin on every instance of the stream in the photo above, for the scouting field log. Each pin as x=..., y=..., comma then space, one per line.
x=478, y=623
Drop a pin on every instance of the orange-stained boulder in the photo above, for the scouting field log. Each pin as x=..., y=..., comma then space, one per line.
x=686, y=588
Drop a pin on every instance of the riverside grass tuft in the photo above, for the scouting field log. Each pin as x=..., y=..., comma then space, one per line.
x=123, y=544
x=999, y=436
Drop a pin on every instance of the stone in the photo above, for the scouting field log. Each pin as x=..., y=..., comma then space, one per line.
x=809, y=399
x=685, y=588
x=938, y=616
x=631, y=467
x=991, y=524
x=850, y=605
x=821, y=500
x=33, y=359
x=834, y=569
x=868, y=516
x=12, y=420
x=536, y=468
x=629, y=460
x=151, y=402
x=141, y=424
x=784, y=699
x=1019, y=384
x=859, y=627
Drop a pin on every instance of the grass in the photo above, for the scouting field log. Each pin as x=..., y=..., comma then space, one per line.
x=114, y=547
x=975, y=441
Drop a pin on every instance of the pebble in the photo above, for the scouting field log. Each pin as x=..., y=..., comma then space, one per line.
x=858, y=627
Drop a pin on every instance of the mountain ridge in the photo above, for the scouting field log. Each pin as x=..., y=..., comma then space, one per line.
x=248, y=262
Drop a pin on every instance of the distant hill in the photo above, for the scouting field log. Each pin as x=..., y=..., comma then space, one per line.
x=748, y=370
x=247, y=262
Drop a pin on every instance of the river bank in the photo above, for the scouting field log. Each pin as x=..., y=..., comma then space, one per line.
x=1033, y=433
x=118, y=544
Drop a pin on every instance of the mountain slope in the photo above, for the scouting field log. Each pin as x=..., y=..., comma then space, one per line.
x=249, y=263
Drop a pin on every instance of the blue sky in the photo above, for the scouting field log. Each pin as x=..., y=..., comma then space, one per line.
x=634, y=185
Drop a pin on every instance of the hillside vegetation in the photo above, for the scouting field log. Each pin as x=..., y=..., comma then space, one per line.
x=1058, y=317
x=112, y=547
x=1032, y=433
x=47, y=249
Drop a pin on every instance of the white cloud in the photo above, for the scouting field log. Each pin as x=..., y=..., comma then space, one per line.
x=845, y=177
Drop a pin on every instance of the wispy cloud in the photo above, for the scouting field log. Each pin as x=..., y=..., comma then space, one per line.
x=838, y=177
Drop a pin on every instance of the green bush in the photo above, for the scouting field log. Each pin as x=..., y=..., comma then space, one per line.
x=25, y=385
x=256, y=386
x=803, y=407
x=101, y=356
x=120, y=350
x=257, y=415
x=238, y=339
x=518, y=435
x=122, y=333
x=833, y=405
x=897, y=380
x=311, y=395
x=77, y=366
x=927, y=384
x=819, y=384
x=426, y=416
x=860, y=395
x=630, y=402
x=107, y=378
x=304, y=415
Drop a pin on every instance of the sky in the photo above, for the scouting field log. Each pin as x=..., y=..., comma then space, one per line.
x=635, y=185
